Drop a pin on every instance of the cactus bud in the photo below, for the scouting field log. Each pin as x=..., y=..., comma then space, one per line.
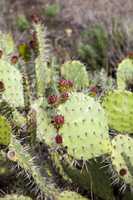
x=64, y=96
x=58, y=121
x=65, y=85
x=58, y=139
x=52, y=99
x=35, y=18
x=14, y=59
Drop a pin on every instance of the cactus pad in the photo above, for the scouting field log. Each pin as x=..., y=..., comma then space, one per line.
x=5, y=131
x=75, y=71
x=122, y=157
x=85, y=129
x=12, y=80
x=17, y=153
x=45, y=130
x=70, y=195
x=118, y=106
x=125, y=74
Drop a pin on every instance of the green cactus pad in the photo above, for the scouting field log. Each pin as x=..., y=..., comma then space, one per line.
x=118, y=106
x=125, y=74
x=45, y=130
x=70, y=195
x=122, y=157
x=41, y=67
x=75, y=71
x=15, y=197
x=5, y=131
x=26, y=162
x=12, y=80
x=85, y=130
x=88, y=177
x=19, y=119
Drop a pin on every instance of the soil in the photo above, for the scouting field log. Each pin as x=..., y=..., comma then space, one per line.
x=75, y=15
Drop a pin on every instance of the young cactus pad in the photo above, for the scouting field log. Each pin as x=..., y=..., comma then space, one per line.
x=43, y=72
x=70, y=195
x=12, y=80
x=15, y=197
x=85, y=130
x=125, y=74
x=5, y=131
x=118, y=106
x=122, y=157
x=75, y=71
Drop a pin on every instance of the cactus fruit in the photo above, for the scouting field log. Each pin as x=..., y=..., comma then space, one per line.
x=15, y=197
x=70, y=195
x=118, y=107
x=85, y=127
x=12, y=80
x=122, y=158
x=125, y=74
x=75, y=71
x=52, y=99
x=65, y=85
x=5, y=131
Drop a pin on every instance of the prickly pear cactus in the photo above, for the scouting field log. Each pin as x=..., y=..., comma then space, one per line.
x=75, y=71
x=122, y=159
x=125, y=74
x=13, y=86
x=88, y=175
x=5, y=131
x=39, y=184
x=85, y=129
x=70, y=195
x=15, y=197
x=43, y=72
x=118, y=106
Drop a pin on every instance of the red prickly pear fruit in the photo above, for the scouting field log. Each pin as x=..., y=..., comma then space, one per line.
x=130, y=55
x=14, y=59
x=58, y=139
x=70, y=83
x=58, y=121
x=63, y=82
x=2, y=86
x=93, y=90
x=123, y=172
x=65, y=85
x=35, y=18
x=52, y=99
x=1, y=53
x=64, y=96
